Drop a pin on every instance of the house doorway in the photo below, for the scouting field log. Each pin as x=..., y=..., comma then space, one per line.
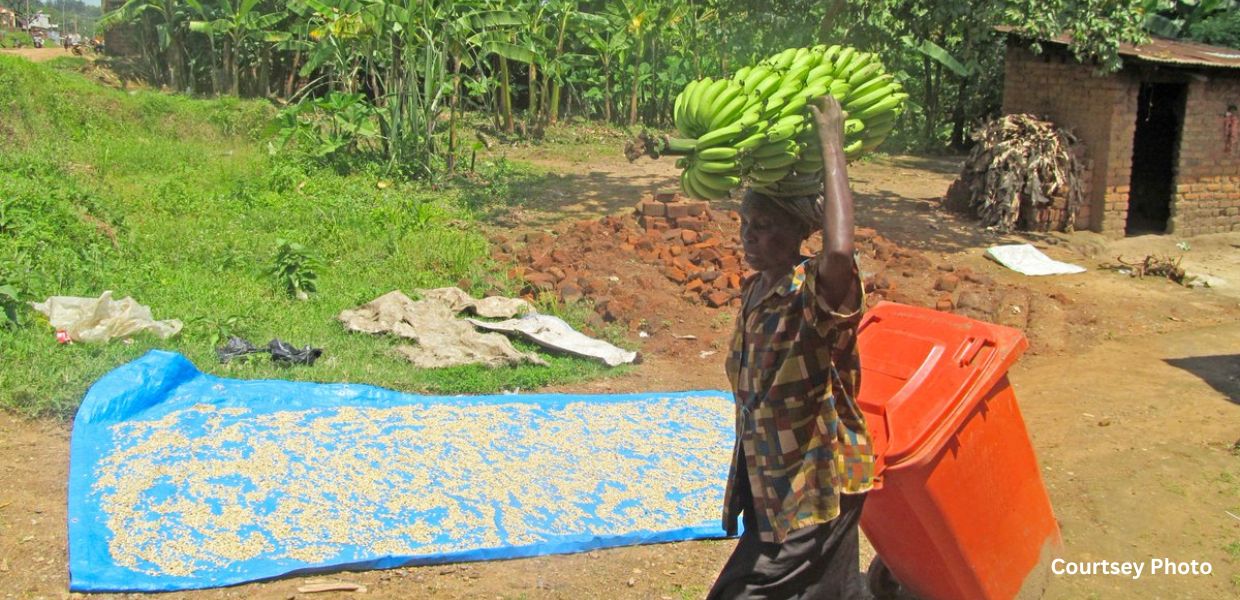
x=1155, y=147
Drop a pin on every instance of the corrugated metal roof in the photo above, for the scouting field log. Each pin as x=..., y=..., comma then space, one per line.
x=1164, y=51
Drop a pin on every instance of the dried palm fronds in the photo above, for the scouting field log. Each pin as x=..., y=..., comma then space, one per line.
x=1022, y=173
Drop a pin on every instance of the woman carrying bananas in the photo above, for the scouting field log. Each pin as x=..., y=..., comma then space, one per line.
x=803, y=459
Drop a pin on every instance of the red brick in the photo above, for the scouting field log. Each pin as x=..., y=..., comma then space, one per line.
x=691, y=223
x=675, y=274
x=540, y=281
x=947, y=283
x=717, y=299
x=570, y=293
x=653, y=209
x=688, y=236
x=678, y=210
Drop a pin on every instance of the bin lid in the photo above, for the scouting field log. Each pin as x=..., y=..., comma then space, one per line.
x=923, y=371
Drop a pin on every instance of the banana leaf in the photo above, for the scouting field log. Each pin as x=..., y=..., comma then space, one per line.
x=939, y=54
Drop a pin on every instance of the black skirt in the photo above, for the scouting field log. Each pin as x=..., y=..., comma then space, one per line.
x=815, y=562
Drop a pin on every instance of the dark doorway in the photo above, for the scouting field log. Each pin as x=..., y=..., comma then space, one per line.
x=1160, y=116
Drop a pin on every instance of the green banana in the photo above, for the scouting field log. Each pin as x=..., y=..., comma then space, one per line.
x=881, y=106
x=859, y=60
x=853, y=150
x=814, y=91
x=755, y=77
x=731, y=91
x=767, y=175
x=691, y=107
x=784, y=59
x=853, y=126
x=794, y=77
x=865, y=73
x=719, y=136
x=741, y=74
x=684, y=184
x=681, y=110
x=824, y=69
x=863, y=102
x=830, y=54
x=839, y=88
x=807, y=165
x=880, y=120
x=729, y=113
x=718, y=153
x=748, y=117
x=774, y=149
x=781, y=133
x=767, y=86
x=722, y=167
x=870, y=85
x=843, y=59
x=701, y=190
x=879, y=131
x=776, y=162
x=753, y=141
x=796, y=107
x=715, y=181
x=701, y=115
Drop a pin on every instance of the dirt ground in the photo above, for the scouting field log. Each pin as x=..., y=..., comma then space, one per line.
x=37, y=54
x=1130, y=392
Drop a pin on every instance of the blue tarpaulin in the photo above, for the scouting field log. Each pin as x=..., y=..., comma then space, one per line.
x=181, y=480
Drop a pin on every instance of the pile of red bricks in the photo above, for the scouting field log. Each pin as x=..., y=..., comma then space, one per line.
x=686, y=239
x=681, y=248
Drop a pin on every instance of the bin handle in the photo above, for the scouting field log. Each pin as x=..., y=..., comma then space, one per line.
x=969, y=350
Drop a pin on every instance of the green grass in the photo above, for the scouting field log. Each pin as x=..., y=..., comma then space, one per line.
x=9, y=39
x=178, y=203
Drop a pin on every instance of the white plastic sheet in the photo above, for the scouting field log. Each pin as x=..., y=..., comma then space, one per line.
x=553, y=333
x=1027, y=260
x=103, y=319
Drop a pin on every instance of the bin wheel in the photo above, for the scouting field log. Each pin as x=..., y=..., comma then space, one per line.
x=883, y=585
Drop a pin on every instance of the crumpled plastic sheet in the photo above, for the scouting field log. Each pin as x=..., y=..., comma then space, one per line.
x=181, y=480
x=103, y=319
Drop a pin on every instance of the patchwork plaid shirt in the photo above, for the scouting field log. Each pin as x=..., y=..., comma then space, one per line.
x=798, y=427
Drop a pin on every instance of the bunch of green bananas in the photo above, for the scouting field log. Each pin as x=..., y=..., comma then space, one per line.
x=756, y=126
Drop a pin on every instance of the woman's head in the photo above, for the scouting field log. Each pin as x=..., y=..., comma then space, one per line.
x=772, y=229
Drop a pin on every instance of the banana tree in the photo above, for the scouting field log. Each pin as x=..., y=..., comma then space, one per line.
x=607, y=43
x=645, y=21
x=556, y=66
x=237, y=22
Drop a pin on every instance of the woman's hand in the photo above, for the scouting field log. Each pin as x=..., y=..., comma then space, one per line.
x=828, y=120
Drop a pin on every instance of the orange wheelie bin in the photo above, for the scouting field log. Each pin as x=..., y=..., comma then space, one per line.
x=959, y=510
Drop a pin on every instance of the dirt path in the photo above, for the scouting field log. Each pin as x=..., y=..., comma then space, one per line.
x=37, y=54
x=1132, y=399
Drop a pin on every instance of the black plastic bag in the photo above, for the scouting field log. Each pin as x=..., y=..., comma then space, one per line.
x=280, y=351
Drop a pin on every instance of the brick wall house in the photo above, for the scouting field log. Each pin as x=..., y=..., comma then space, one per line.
x=119, y=40
x=1160, y=134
